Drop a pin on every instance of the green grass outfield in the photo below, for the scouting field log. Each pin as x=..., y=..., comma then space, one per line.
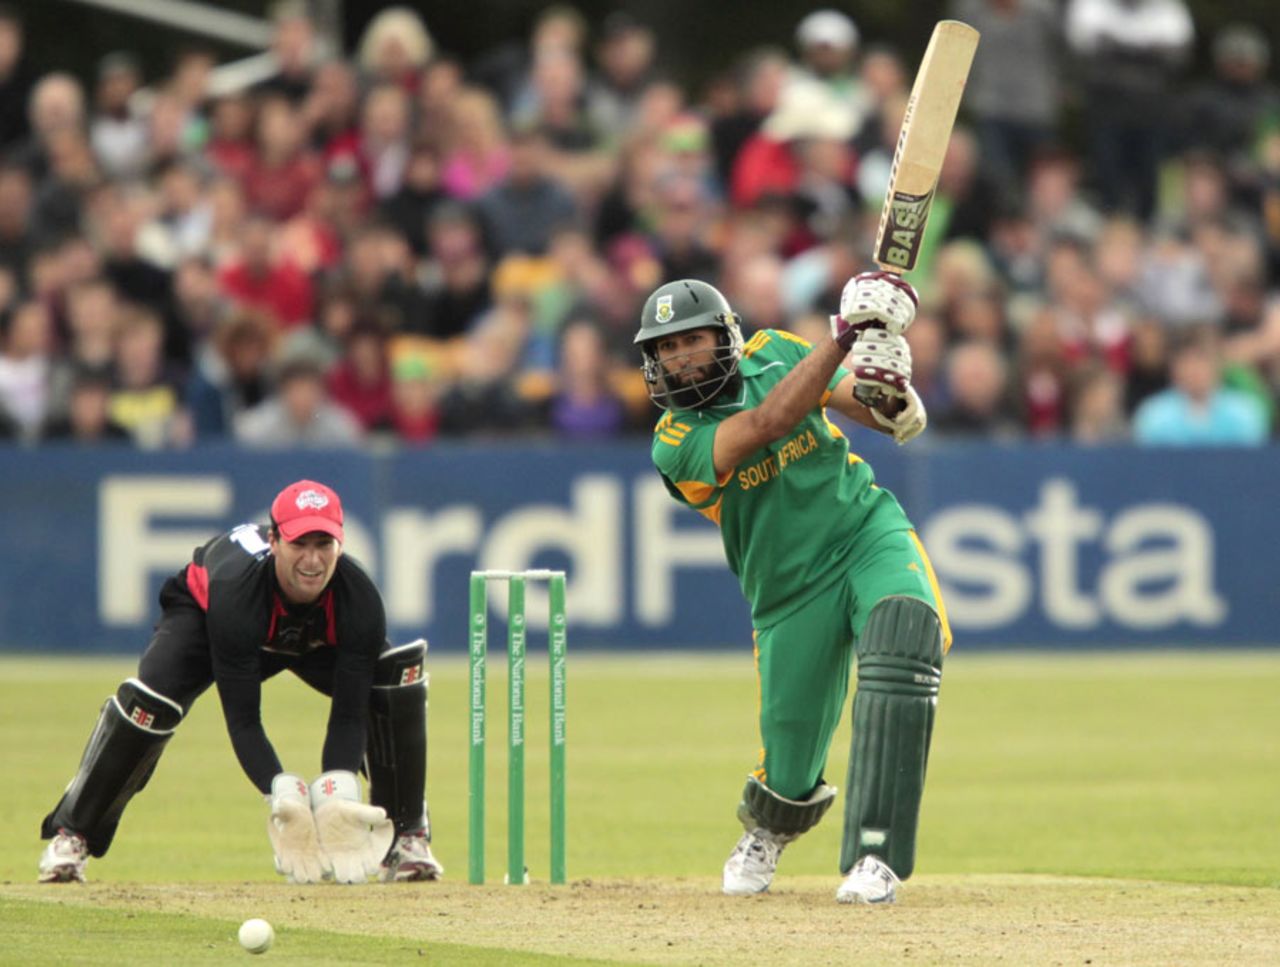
x=1151, y=767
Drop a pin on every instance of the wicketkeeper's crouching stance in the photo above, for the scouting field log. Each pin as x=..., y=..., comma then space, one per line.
x=254, y=602
x=827, y=559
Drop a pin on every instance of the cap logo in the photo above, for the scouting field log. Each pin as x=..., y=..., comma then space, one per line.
x=665, y=312
x=311, y=500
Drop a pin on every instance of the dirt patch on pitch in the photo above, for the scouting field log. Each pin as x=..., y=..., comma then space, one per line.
x=938, y=920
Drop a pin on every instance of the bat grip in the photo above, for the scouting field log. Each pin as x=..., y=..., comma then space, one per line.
x=868, y=396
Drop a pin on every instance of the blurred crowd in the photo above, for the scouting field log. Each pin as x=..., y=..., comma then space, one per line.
x=396, y=245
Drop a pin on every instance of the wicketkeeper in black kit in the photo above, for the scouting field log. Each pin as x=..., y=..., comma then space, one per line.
x=254, y=602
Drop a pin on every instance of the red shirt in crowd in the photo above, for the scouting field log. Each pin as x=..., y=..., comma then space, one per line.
x=283, y=290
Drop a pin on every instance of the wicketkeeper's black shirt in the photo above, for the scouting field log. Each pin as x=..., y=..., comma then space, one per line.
x=232, y=579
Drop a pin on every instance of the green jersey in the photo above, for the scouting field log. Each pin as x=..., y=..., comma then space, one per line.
x=789, y=513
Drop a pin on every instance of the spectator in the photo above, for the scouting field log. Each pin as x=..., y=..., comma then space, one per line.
x=1148, y=369
x=483, y=401
x=299, y=413
x=585, y=406
x=71, y=176
x=379, y=279
x=625, y=57
x=476, y=155
x=294, y=47
x=394, y=48
x=26, y=368
x=769, y=162
x=55, y=104
x=17, y=241
x=331, y=111
x=521, y=211
x=828, y=44
x=15, y=79
x=1130, y=52
x=977, y=383
x=230, y=147
x=146, y=398
x=231, y=374
x=461, y=293
x=88, y=420
x=759, y=79
x=92, y=316
x=117, y=132
x=505, y=70
x=361, y=380
x=1097, y=407
x=1197, y=410
x=1226, y=113
x=283, y=171
x=442, y=83
x=383, y=149
x=410, y=209
x=197, y=303
x=182, y=227
x=260, y=279
x=1021, y=39
x=415, y=395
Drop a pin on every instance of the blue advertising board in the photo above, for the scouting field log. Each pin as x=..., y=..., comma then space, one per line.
x=1033, y=546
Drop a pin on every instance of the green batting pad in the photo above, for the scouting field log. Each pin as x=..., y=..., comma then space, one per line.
x=899, y=670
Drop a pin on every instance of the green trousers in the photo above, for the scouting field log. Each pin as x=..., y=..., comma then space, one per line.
x=803, y=662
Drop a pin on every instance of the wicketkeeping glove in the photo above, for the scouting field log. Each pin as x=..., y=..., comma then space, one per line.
x=874, y=300
x=292, y=830
x=354, y=836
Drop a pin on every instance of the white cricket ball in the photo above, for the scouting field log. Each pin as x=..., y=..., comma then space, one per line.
x=256, y=936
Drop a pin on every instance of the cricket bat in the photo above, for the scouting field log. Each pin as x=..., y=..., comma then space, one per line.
x=922, y=144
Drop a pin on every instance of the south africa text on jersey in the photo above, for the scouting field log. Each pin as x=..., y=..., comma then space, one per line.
x=800, y=445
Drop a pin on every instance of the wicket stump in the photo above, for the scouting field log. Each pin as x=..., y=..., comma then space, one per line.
x=478, y=649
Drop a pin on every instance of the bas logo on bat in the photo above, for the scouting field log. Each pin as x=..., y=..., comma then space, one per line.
x=922, y=144
x=900, y=243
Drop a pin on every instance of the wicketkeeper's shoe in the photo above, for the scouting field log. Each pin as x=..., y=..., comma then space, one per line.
x=749, y=868
x=64, y=858
x=870, y=881
x=410, y=859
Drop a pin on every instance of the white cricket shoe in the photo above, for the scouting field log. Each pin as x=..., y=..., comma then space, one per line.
x=64, y=858
x=870, y=881
x=410, y=859
x=749, y=868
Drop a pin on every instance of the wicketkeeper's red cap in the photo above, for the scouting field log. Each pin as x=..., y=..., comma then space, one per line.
x=305, y=507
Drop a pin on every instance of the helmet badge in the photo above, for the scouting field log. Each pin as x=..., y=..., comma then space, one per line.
x=664, y=311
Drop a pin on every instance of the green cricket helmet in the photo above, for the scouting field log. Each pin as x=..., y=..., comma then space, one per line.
x=679, y=307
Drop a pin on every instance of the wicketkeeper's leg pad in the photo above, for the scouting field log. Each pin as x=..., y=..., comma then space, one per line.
x=899, y=671
x=763, y=808
x=396, y=753
x=133, y=728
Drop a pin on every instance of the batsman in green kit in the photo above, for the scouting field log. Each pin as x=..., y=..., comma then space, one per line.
x=827, y=559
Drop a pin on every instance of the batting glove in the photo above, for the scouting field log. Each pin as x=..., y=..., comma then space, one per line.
x=292, y=831
x=355, y=836
x=909, y=422
x=881, y=364
x=874, y=300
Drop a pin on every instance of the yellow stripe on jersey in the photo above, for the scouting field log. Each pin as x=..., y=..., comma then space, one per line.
x=937, y=592
x=674, y=441
x=835, y=431
x=755, y=343
x=759, y=772
x=664, y=421
x=695, y=491
x=712, y=513
x=792, y=337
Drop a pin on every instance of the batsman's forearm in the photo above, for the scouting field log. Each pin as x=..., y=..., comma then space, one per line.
x=799, y=391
